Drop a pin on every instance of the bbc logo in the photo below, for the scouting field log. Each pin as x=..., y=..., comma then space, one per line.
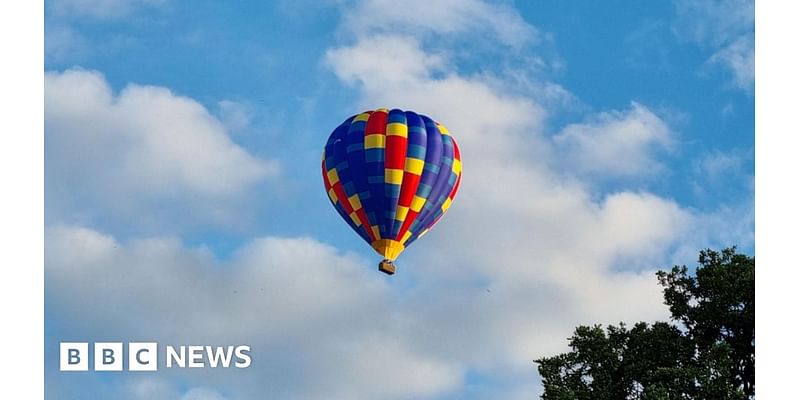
x=108, y=356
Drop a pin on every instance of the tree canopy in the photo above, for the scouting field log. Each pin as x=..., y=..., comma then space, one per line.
x=707, y=352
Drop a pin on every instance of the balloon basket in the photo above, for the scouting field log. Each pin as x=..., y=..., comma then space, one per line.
x=387, y=267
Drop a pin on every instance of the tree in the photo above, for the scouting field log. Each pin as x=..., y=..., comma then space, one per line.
x=707, y=353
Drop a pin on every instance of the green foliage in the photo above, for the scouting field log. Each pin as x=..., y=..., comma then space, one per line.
x=709, y=354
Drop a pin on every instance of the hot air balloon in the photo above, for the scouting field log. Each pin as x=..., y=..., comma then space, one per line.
x=391, y=175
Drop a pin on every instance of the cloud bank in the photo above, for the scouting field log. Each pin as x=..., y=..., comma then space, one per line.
x=144, y=151
x=728, y=28
x=616, y=144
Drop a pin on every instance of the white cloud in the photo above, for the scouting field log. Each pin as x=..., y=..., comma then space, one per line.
x=313, y=314
x=739, y=56
x=65, y=43
x=308, y=312
x=714, y=21
x=153, y=387
x=234, y=115
x=103, y=9
x=406, y=65
x=202, y=394
x=149, y=388
x=727, y=27
x=441, y=17
x=616, y=144
x=143, y=152
x=726, y=175
x=62, y=42
x=716, y=164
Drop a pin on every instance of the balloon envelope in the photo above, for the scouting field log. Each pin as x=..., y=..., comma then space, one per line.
x=391, y=175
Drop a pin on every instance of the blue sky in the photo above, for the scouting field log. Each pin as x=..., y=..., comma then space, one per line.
x=184, y=204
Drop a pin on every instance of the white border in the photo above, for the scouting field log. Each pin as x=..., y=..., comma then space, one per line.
x=22, y=205
x=777, y=198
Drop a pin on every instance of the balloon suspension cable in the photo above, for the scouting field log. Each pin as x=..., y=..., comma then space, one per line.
x=386, y=266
